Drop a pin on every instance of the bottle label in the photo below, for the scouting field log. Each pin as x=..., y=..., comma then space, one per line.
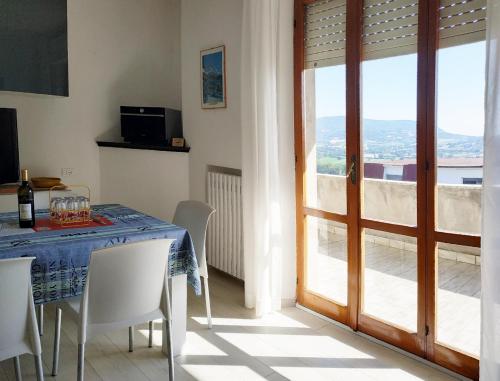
x=25, y=212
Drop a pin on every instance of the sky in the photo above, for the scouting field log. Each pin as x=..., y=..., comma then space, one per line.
x=389, y=89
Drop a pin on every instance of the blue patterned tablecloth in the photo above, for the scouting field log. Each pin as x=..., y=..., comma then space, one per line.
x=62, y=256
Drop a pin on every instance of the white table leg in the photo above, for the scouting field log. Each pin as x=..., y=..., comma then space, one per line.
x=178, y=291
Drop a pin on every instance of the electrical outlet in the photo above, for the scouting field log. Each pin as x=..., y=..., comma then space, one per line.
x=66, y=172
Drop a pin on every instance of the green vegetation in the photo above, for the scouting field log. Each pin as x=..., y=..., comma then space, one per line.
x=384, y=140
x=331, y=165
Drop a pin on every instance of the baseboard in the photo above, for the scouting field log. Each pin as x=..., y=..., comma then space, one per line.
x=288, y=302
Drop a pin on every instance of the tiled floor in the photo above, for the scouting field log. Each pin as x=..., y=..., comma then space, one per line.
x=292, y=344
x=391, y=288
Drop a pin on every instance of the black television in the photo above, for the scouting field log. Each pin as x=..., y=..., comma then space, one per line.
x=9, y=152
x=34, y=46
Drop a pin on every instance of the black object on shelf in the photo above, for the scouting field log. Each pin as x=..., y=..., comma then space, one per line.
x=9, y=153
x=150, y=125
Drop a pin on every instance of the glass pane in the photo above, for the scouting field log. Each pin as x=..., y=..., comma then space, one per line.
x=325, y=138
x=458, y=304
x=389, y=139
x=390, y=278
x=327, y=259
x=460, y=130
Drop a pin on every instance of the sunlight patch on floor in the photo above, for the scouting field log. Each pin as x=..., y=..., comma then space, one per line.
x=300, y=373
x=304, y=346
x=195, y=344
x=393, y=374
x=199, y=346
x=336, y=373
x=272, y=320
x=157, y=341
x=222, y=372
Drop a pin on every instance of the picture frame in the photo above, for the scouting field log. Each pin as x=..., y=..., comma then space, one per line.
x=213, y=77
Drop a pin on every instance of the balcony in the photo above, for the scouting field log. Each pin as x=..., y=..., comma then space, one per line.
x=391, y=261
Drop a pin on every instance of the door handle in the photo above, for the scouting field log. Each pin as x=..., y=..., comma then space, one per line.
x=352, y=170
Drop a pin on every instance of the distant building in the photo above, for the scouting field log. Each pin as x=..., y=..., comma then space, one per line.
x=460, y=170
x=450, y=170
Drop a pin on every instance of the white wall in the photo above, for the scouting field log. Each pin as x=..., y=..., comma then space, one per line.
x=120, y=52
x=214, y=135
x=154, y=189
x=8, y=202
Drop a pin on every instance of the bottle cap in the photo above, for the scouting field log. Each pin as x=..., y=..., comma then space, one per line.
x=24, y=175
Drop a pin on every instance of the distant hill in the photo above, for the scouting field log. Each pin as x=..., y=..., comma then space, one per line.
x=333, y=127
x=392, y=139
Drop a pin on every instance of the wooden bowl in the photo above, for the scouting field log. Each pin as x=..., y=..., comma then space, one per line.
x=45, y=182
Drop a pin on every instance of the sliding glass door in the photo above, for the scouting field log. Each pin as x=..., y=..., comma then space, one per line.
x=456, y=159
x=324, y=280
x=389, y=183
x=389, y=115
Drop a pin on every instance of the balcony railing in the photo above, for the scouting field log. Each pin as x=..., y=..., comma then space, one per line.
x=458, y=206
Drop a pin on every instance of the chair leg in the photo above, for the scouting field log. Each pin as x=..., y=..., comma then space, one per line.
x=170, y=350
x=131, y=339
x=57, y=339
x=40, y=319
x=17, y=368
x=168, y=324
x=39, y=368
x=151, y=328
x=207, y=303
x=81, y=361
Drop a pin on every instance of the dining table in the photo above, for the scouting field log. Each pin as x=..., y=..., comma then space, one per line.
x=62, y=254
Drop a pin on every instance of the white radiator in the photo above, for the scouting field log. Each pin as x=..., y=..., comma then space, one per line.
x=225, y=232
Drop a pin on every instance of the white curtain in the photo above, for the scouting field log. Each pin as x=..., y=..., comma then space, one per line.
x=267, y=150
x=490, y=242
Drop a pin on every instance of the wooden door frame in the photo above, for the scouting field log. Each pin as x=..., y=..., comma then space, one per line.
x=304, y=297
x=423, y=343
x=440, y=354
x=353, y=150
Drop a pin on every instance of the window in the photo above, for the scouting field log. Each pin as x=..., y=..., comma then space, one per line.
x=472, y=181
x=393, y=249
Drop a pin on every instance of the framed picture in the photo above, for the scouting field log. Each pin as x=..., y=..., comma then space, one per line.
x=213, y=77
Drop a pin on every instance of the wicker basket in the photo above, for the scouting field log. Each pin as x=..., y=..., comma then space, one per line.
x=71, y=210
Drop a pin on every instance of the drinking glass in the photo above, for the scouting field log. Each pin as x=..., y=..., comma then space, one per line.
x=83, y=208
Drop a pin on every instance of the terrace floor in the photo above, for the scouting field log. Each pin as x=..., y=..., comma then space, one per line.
x=391, y=288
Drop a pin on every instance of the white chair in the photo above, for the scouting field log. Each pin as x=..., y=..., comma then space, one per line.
x=18, y=326
x=194, y=216
x=126, y=285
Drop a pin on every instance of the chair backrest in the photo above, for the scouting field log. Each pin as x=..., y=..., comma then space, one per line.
x=18, y=326
x=125, y=282
x=194, y=216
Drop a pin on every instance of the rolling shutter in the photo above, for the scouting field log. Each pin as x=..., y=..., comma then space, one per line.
x=389, y=28
x=461, y=22
x=325, y=33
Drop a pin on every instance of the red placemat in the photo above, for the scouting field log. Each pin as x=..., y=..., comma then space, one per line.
x=44, y=224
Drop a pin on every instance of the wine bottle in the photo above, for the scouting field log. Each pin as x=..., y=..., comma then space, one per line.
x=26, y=202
